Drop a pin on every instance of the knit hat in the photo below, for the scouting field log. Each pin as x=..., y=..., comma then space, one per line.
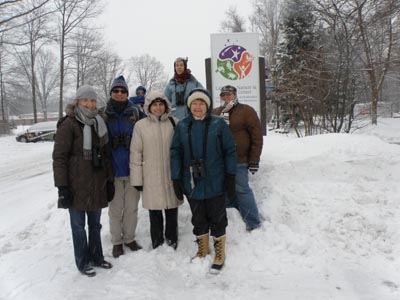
x=228, y=89
x=140, y=87
x=119, y=82
x=185, y=60
x=199, y=94
x=86, y=92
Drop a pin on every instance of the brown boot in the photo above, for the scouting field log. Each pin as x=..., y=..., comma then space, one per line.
x=202, y=246
x=117, y=251
x=134, y=246
x=219, y=259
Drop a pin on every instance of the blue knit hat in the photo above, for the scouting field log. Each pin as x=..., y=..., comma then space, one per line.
x=140, y=87
x=119, y=82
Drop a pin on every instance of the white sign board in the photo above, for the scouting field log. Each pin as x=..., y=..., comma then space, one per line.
x=234, y=61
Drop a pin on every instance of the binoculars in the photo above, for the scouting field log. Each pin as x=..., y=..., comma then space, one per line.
x=124, y=140
x=198, y=168
x=97, y=157
x=180, y=98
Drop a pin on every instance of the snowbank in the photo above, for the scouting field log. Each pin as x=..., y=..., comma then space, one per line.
x=331, y=230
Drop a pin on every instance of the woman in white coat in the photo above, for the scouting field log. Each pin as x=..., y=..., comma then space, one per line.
x=150, y=168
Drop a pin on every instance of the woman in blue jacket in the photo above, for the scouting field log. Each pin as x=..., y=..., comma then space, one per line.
x=203, y=167
x=179, y=87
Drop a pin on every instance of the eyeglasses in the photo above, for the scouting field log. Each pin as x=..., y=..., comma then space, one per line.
x=225, y=94
x=119, y=91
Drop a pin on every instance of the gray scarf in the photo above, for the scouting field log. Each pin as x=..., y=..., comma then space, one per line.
x=90, y=118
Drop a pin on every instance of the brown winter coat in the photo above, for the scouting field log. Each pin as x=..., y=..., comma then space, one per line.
x=87, y=184
x=246, y=130
x=150, y=158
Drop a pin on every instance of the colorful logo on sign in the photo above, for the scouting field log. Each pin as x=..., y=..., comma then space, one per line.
x=234, y=62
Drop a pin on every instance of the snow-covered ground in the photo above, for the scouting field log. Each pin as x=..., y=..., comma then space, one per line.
x=331, y=229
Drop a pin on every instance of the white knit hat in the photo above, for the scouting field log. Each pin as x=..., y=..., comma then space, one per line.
x=198, y=95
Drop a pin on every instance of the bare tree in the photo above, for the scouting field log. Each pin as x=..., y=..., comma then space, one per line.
x=233, y=21
x=88, y=44
x=341, y=49
x=47, y=79
x=31, y=38
x=70, y=15
x=375, y=21
x=4, y=128
x=147, y=71
x=12, y=11
x=267, y=19
x=15, y=81
x=108, y=66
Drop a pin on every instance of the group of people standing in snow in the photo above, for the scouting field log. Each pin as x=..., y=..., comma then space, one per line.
x=160, y=147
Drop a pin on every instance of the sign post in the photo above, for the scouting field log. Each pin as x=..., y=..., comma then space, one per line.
x=235, y=61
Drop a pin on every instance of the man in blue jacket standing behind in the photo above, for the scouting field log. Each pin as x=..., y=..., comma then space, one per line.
x=121, y=118
x=138, y=100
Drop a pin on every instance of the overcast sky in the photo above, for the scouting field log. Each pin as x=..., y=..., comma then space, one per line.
x=167, y=29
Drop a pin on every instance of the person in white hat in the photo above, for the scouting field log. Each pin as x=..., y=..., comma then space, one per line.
x=203, y=167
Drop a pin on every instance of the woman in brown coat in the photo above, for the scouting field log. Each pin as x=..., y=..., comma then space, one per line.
x=150, y=168
x=82, y=174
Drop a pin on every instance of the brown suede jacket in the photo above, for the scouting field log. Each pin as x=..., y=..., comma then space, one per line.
x=246, y=130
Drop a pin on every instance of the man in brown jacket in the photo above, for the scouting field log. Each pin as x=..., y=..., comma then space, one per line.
x=246, y=130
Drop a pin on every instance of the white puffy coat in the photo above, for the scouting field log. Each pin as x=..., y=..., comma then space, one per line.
x=150, y=158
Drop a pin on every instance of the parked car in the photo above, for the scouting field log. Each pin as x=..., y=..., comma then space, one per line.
x=44, y=131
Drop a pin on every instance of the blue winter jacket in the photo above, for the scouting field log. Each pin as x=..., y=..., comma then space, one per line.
x=120, y=130
x=220, y=156
x=174, y=87
x=137, y=99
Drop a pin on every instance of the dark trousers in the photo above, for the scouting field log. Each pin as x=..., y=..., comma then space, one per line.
x=86, y=252
x=157, y=226
x=209, y=215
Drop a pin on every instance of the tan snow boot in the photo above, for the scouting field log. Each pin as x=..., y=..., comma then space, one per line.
x=219, y=259
x=202, y=244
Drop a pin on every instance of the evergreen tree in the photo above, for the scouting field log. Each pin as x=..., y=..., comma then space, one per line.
x=298, y=70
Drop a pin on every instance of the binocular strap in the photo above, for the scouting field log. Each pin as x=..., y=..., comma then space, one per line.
x=191, y=148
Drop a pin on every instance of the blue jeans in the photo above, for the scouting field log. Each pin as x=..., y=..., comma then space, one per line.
x=86, y=252
x=245, y=202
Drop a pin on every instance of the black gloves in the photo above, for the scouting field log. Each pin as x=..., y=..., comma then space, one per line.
x=64, y=197
x=178, y=189
x=110, y=190
x=230, y=186
x=139, y=188
x=253, y=167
